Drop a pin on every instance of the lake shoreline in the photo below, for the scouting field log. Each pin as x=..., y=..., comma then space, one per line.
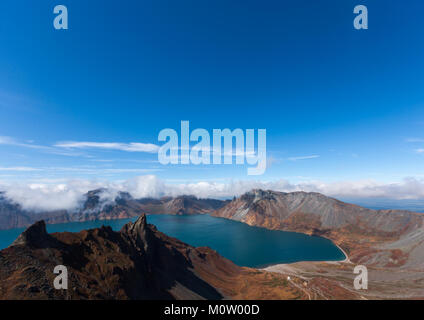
x=345, y=260
x=269, y=247
x=288, y=267
x=276, y=265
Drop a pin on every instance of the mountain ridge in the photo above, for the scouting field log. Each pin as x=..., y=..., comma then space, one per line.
x=95, y=207
x=363, y=233
x=138, y=262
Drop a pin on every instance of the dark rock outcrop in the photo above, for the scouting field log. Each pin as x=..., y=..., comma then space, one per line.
x=35, y=236
x=138, y=262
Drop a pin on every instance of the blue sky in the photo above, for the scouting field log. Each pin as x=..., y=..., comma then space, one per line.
x=338, y=104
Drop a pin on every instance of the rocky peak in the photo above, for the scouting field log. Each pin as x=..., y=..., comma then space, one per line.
x=124, y=196
x=256, y=195
x=139, y=225
x=138, y=232
x=93, y=199
x=35, y=236
x=183, y=200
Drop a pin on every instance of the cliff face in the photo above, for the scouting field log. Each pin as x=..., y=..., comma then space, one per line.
x=139, y=262
x=383, y=237
x=94, y=207
x=11, y=215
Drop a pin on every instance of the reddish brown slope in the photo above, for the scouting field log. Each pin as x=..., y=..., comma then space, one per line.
x=138, y=262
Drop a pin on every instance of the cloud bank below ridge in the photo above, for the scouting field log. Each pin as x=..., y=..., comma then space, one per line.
x=69, y=195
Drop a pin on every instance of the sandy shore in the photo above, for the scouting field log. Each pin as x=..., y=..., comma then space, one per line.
x=290, y=269
x=346, y=260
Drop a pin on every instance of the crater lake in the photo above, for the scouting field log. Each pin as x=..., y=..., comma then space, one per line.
x=243, y=244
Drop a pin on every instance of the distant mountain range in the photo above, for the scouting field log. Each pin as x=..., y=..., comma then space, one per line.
x=12, y=215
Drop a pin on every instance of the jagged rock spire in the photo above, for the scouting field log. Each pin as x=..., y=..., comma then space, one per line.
x=138, y=231
x=36, y=236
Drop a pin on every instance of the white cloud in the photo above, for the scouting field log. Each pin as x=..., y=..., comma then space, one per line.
x=414, y=140
x=130, y=147
x=145, y=186
x=87, y=170
x=68, y=195
x=58, y=147
x=303, y=157
x=4, y=140
x=22, y=169
x=13, y=142
x=48, y=197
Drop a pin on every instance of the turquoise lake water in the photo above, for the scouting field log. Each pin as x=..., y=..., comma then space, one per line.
x=243, y=244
